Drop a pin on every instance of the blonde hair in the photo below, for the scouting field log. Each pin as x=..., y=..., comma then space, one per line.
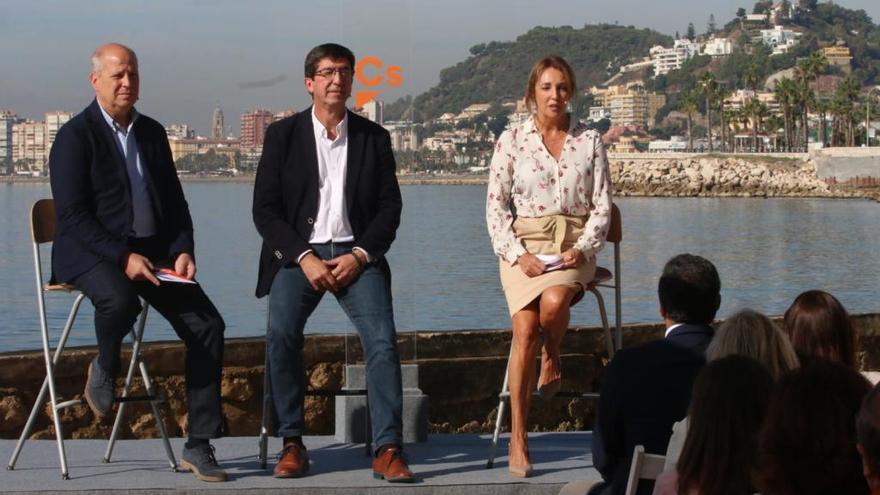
x=750, y=333
x=549, y=62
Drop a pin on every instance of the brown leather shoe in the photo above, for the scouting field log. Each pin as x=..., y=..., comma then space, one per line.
x=293, y=462
x=392, y=467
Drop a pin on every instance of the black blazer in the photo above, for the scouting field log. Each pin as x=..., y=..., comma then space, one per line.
x=93, y=210
x=286, y=191
x=645, y=390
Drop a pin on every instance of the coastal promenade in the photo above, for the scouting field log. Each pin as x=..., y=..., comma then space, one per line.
x=446, y=464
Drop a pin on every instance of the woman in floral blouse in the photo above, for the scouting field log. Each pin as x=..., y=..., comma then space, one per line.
x=548, y=210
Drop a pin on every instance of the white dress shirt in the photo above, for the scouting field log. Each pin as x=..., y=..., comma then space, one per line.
x=331, y=222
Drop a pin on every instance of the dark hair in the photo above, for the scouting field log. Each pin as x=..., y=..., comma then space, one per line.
x=868, y=430
x=690, y=289
x=727, y=408
x=807, y=444
x=819, y=328
x=327, y=50
x=549, y=62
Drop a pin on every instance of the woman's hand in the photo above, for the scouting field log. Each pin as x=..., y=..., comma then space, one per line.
x=530, y=265
x=572, y=258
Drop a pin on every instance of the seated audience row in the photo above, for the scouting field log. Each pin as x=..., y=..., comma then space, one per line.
x=755, y=367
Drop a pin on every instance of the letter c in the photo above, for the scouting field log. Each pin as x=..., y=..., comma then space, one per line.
x=359, y=70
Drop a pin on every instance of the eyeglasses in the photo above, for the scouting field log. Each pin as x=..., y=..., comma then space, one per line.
x=344, y=72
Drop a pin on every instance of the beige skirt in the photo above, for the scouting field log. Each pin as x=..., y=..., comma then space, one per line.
x=545, y=235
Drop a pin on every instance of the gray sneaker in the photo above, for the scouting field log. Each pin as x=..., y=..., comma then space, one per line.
x=201, y=461
x=99, y=390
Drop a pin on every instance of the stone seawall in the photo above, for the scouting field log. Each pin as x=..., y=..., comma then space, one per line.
x=720, y=176
x=461, y=372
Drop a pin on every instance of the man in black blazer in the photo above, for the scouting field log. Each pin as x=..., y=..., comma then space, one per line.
x=647, y=387
x=327, y=205
x=120, y=214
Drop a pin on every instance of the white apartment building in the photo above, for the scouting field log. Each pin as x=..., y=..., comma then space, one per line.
x=779, y=39
x=29, y=145
x=599, y=113
x=667, y=59
x=180, y=131
x=718, y=47
x=54, y=121
x=403, y=136
x=374, y=110
x=7, y=120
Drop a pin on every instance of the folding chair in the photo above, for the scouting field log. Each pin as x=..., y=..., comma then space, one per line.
x=603, y=278
x=42, y=232
x=644, y=467
x=268, y=417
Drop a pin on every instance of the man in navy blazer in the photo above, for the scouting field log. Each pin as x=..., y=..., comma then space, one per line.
x=120, y=214
x=327, y=205
x=647, y=387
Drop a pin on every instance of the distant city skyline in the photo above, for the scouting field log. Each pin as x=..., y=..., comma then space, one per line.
x=197, y=54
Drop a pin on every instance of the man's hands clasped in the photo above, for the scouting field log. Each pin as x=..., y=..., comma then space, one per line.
x=333, y=274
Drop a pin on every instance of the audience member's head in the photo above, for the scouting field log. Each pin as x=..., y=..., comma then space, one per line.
x=868, y=433
x=749, y=333
x=727, y=408
x=808, y=441
x=689, y=290
x=820, y=329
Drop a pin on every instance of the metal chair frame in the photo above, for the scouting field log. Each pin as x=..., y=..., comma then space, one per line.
x=601, y=280
x=42, y=219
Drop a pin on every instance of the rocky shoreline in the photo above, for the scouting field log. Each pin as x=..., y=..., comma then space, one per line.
x=728, y=176
x=658, y=176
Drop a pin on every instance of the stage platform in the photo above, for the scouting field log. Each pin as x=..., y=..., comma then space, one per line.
x=446, y=464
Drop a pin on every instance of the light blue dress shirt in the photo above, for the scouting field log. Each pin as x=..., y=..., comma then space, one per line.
x=144, y=222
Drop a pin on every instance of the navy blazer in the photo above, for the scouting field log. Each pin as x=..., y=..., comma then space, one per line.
x=93, y=210
x=286, y=191
x=645, y=390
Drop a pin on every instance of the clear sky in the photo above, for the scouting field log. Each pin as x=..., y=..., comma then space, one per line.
x=243, y=55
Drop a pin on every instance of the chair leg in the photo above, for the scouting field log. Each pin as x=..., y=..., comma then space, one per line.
x=137, y=335
x=41, y=397
x=264, y=421
x=157, y=414
x=505, y=394
x=609, y=342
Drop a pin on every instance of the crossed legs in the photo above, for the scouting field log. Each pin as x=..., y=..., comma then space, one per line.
x=548, y=314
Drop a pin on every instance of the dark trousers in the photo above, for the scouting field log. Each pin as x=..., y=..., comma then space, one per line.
x=367, y=303
x=188, y=310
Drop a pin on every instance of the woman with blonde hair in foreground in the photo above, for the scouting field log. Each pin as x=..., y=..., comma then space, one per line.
x=746, y=333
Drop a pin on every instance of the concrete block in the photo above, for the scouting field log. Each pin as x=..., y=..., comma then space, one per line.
x=351, y=411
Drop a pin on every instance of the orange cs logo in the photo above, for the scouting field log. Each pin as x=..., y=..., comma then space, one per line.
x=371, y=72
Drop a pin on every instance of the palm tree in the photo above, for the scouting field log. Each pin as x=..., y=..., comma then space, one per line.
x=756, y=110
x=785, y=92
x=752, y=76
x=688, y=104
x=808, y=71
x=707, y=86
x=722, y=94
x=844, y=106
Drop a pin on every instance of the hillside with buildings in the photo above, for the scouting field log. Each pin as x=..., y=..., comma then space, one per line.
x=782, y=77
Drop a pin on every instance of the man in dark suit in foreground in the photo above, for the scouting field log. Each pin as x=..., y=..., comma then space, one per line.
x=120, y=213
x=327, y=205
x=647, y=387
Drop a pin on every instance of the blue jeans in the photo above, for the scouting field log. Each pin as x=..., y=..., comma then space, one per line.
x=367, y=303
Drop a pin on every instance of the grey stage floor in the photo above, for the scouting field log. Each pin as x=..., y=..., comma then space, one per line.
x=446, y=464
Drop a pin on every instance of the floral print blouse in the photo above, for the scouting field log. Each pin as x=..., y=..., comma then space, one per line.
x=523, y=174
